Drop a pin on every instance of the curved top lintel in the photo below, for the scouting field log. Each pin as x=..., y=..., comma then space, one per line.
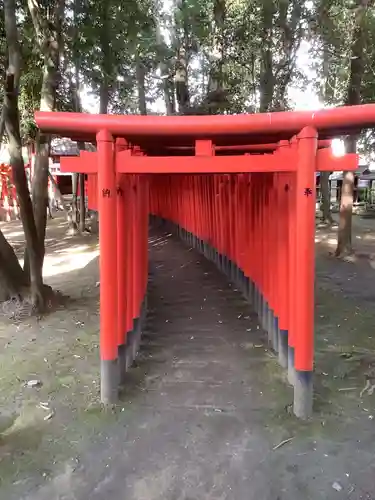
x=329, y=122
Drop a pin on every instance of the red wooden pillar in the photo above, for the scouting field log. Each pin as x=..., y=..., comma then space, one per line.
x=282, y=254
x=132, y=270
x=262, y=251
x=267, y=256
x=256, y=243
x=107, y=205
x=121, y=144
x=273, y=236
x=250, y=253
x=305, y=265
x=129, y=263
x=292, y=238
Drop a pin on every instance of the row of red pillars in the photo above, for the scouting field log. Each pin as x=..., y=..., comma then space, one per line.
x=122, y=202
x=259, y=228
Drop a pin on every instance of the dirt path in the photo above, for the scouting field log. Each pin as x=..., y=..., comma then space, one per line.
x=206, y=404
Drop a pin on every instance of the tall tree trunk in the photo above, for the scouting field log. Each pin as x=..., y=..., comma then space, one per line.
x=12, y=276
x=141, y=87
x=181, y=82
x=59, y=196
x=12, y=127
x=106, y=58
x=324, y=176
x=325, y=198
x=103, y=97
x=267, y=80
x=72, y=216
x=77, y=106
x=289, y=23
x=167, y=81
x=47, y=27
x=344, y=240
x=2, y=126
x=216, y=98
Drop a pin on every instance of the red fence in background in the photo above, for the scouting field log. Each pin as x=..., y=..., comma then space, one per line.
x=9, y=208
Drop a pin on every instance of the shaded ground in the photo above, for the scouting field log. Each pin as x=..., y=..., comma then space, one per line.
x=207, y=402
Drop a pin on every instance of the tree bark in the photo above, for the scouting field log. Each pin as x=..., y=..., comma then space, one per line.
x=12, y=276
x=267, y=81
x=216, y=98
x=181, y=82
x=290, y=26
x=344, y=240
x=106, y=58
x=167, y=82
x=48, y=34
x=59, y=196
x=141, y=86
x=325, y=93
x=2, y=126
x=12, y=127
x=325, y=197
x=78, y=212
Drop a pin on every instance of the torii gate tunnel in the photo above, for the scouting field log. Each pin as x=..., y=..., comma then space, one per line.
x=240, y=189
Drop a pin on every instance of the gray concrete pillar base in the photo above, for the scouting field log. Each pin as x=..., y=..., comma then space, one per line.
x=269, y=324
x=247, y=288
x=251, y=292
x=129, y=353
x=135, y=335
x=122, y=362
x=303, y=394
x=109, y=381
x=234, y=273
x=283, y=348
x=275, y=332
x=144, y=310
x=138, y=334
x=131, y=345
x=291, y=368
x=256, y=301
x=264, y=317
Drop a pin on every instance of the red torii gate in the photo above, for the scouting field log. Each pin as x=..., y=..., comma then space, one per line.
x=220, y=204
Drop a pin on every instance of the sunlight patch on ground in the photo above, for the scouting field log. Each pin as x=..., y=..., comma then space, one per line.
x=70, y=261
x=13, y=234
x=367, y=237
x=328, y=241
x=75, y=249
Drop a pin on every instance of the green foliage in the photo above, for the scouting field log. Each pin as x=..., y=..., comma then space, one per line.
x=3, y=58
x=128, y=33
x=225, y=43
x=31, y=77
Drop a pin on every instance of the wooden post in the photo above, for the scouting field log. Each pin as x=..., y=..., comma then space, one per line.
x=305, y=265
x=123, y=357
x=108, y=268
x=292, y=291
